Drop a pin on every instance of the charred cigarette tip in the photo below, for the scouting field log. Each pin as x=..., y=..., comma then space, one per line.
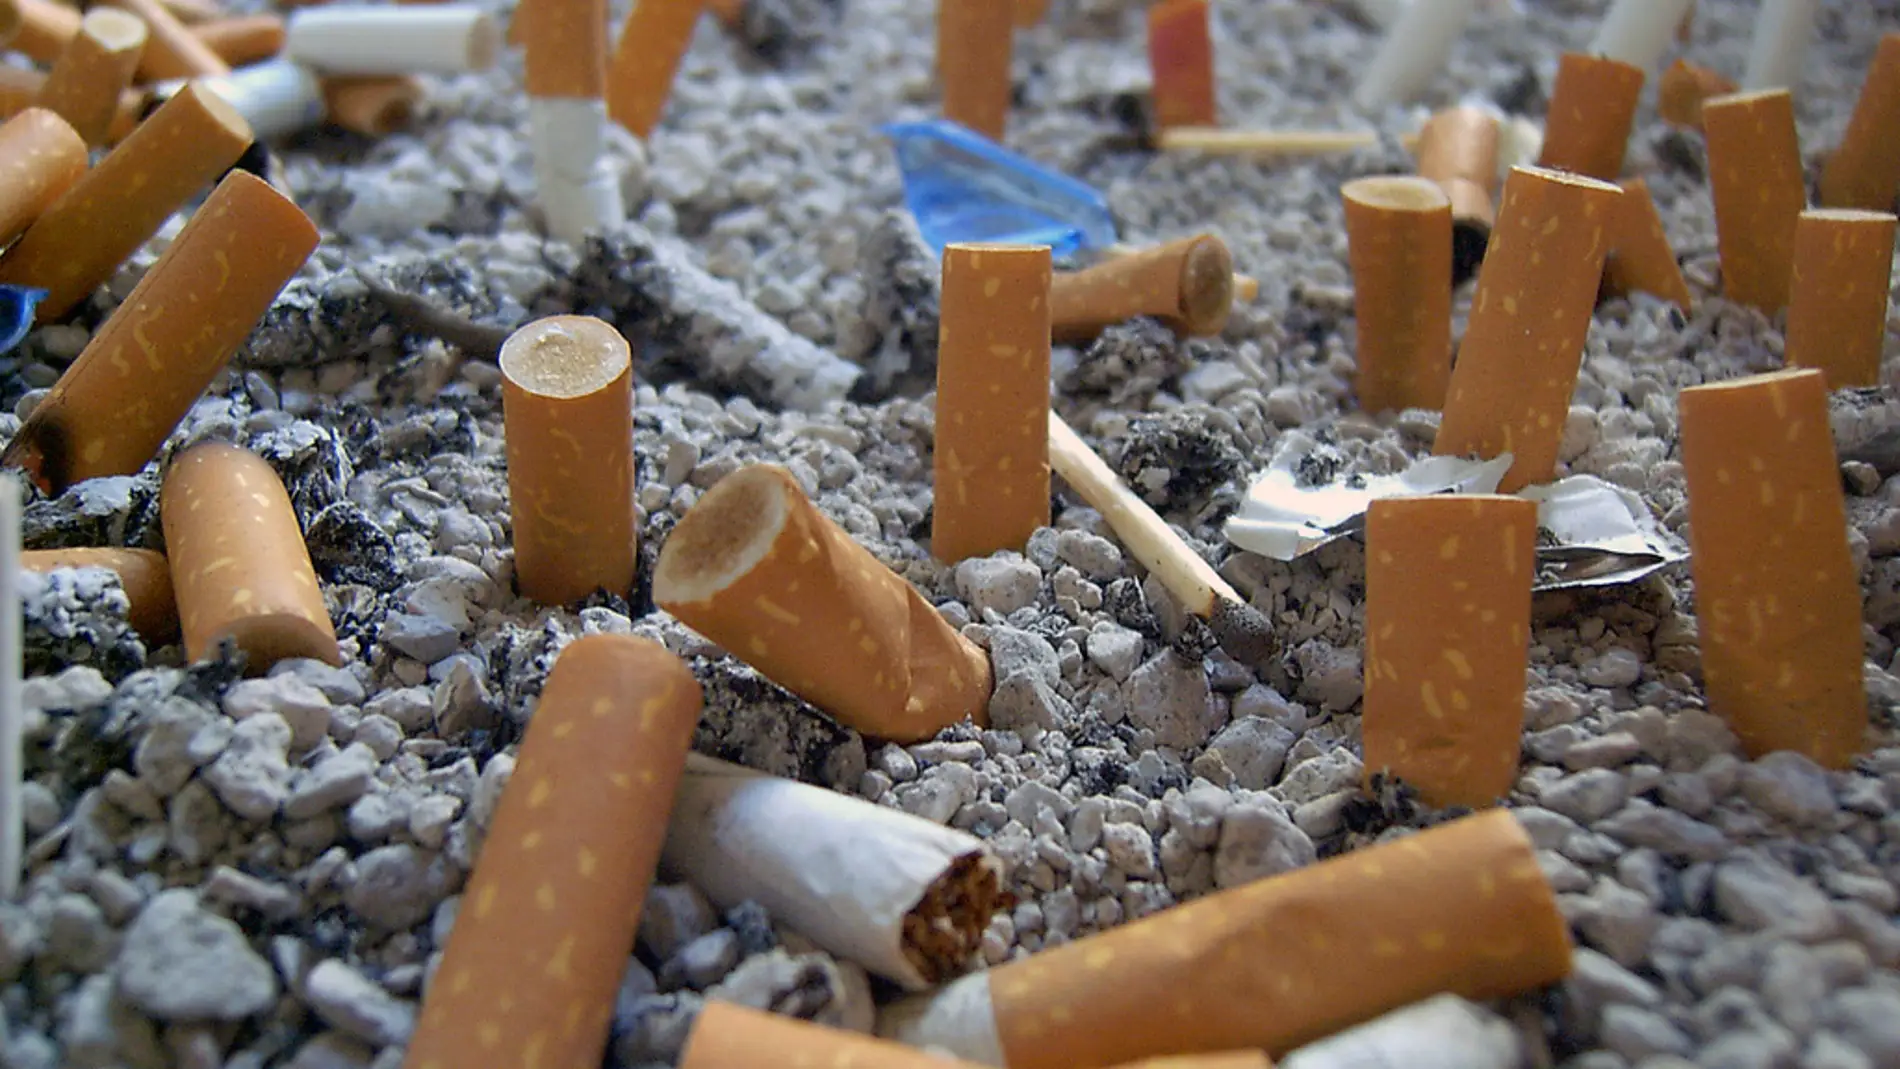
x=1244, y=632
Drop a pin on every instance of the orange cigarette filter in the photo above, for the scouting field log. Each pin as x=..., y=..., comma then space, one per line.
x=1865, y=169
x=240, y=569
x=1537, y=291
x=1587, y=129
x=41, y=156
x=173, y=51
x=755, y=567
x=1777, y=594
x=1837, y=311
x=1756, y=181
x=1398, y=232
x=373, y=107
x=548, y=918
x=1641, y=259
x=1233, y=1059
x=148, y=364
x=1682, y=90
x=144, y=573
x=1458, y=149
x=94, y=71
x=567, y=411
x=243, y=40
x=1448, y=614
x=1187, y=284
x=20, y=87
x=1030, y=12
x=647, y=59
x=565, y=48
x=991, y=473
x=974, y=41
x=45, y=27
x=1181, y=61
x=730, y=1036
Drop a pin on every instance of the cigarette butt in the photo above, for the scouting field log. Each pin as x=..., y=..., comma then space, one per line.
x=567, y=410
x=172, y=50
x=729, y=1036
x=145, y=367
x=1587, y=128
x=1399, y=244
x=1837, y=310
x=991, y=472
x=45, y=27
x=403, y=39
x=41, y=156
x=20, y=87
x=11, y=21
x=1778, y=51
x=1777, y=595
x=374, y=107
x=1684, y=88
x=1865, y=170
x=1246, y=287
x=646, y=59
x=1637, y=32
x=974, y=40
x=243, y=40
x=95, y=69
x=755, y=567
x=1030, y=12
x=578, y=186
x=1187, y=284
x=144, y=573
x=1181, y=63
x=548, y=918
x=1212, y=141
x=193, y=12
x=1759, y=190
x=1641, y=259
x=1537, y=291
x=239, y=566
x=1448, y=615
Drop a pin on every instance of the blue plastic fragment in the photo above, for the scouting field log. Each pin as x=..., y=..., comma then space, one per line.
x=963, y=187
x=17, y=305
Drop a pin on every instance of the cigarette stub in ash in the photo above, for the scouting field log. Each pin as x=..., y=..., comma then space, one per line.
x=1865, y=169
x=1641, y=259
x=1187, y=284
x=1448, y=614
x=403, y=39
x=41, y=156
x=148, y=364
x=1537, y=291
x=45, y=27
x=567, y=408
x=1683, y=89
x=243, y=40
x=1587, y=129
x=96, y=67
x=144, y=573
x=1462, y=908
x=548, y=918
x=1778, y=597
x=1417, y=43
x=373, y=107
x=11, y=21
x=1779, y=48
x=1181, y=63
x=240, y=569
x=974, y=43
x=1638, y=32
x=1398, y=233
x=1757, y=184
x=1458, y=149
x=1837, y=313
x=755, y=567
x=729, y=1036
x=171, y=50
x=646, y=59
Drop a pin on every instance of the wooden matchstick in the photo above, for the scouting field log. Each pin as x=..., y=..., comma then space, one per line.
x=647, y=58
x=1865, y=169
x=1757, y=183
x=1398, y=232
x=1587, y=128
x=1683, y=90
x=975, y=39
x=1181, y=64
x=1837, y=308
x=243, y=40
x=94, y=70
x=1220, y=142
x=144, y=574
x=1641, y=259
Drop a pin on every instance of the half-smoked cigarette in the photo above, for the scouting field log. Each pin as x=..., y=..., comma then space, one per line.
x=243, y=40
x=1638, y=32
x=403, y=39
x=1641, y=259
x=144, y=573
x=1779, y=49
x=567, y=409
x=1587, y=129
x=240, y=569
x=1683, y=89
x=974, y=42
x=373, y=107
x=41, y=156
x=1461, y=908
x=1837, y=310
x=1458, y=149
x=991, y=477
x=1448, y=613
x=1864, y=172
x=1399, y=241
x=906, y=898
x=1181, y=64
x=1443, y=1032
x=1537, y=291
x=548, y=918
x=1777, y=593
x=1186, y=284
x=755, y=567
x=646, y=59
x=1210, y=140
x=171, y=50
x=94, y=71
x=147, y=365
x=1759, y=190
x=45, y=27
x=1413, y=52
x=566, y=76
x=730, y=1036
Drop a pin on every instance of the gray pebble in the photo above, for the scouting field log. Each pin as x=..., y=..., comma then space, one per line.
x=352, y=1003
x=398, y=886
x=1636, y=1032
x=1002, y=583
x=180, y=963
x=305, y=708
x=252, y=776
x=1254, y=750
x=1587, y=796
x=1168, y=695
x=1641, y=824
x=1257, y=840
x=675, y=914
x=336, y=781
x=705, y=961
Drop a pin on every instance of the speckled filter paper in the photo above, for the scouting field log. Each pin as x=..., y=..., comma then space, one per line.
x=1641, y=259
x=1759, y=191
x=1398, y=233
x=975, y=40
x=647, y=58
x=1837, y=305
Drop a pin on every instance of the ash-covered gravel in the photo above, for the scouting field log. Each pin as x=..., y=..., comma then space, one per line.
x=259, y=872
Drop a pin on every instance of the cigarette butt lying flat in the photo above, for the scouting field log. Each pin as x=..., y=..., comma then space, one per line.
x=1448, y=614
x=374, y=107
x=755, y=567
x=20, y=87
x=1187, y=284
x=1030, y=12
x=1246, y=287
x=1398, y=233
x=1181, y=63
x=45, y=27
x=276, y=98
x=404, y=39
x=1537, y=291
x=1865, y=170
x=974, y=40
x=646, y=59
x=1641, y=259
x=1214, y=141
x=94, y=70
x=1684, y=87
x=1461, y=908
x=144, y=368
x=1587, y=129
x=41, y=156
x=1837, y=311
x=1756, y=181
x=243, y=40
x=730, y=1036
x=1458, y=149
x=1777, y=596
x=548, y=918
x=144, y=573
x=567, y=408
x=564, y=47
x=193, y=12
x=172, y=50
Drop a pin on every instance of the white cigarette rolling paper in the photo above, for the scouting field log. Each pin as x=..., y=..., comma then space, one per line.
x=1446, y=1032
x=278, y=98
x=404, y=39
x=1413, y=52
x=1638, y=32
x=1779, y=50
x=580, y=190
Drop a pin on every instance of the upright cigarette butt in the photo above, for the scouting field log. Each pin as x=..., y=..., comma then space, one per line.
x=1448, y=615
x=240, y=569
x=374, y=107
x=194, y=12
x=11, y=21
x=243, y=40
x=1777, y=595
x=1641, y=259
x=403, y=39
x=144, y=573
x=1637, y=32
x=1587, y=129
x=730, y=1036
x=548, y=918
x=1779, y=49
x=1030, y=12
x=974, y=41
x=1757, y=184
x=1837, y=313
x=567, y=408
x=1537, y=291
x=646, y=59
x=755, y=567
x=41, y=156
x=144, y=368
x=991, y=471
x=45, y=27
x=1684, y=88
x=1181, y=63
x=1187, y=284
x=172, y=50
x=1399, y=242
x=96, y=67
x=1413, y=51
x=1865, y=170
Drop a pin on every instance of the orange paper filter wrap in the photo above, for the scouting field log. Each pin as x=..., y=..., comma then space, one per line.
x=1837, y=310
x=1777, y=594
x=1458, y=149
x=1865, y=169
x=1587, y=128
x=565, y=47
x=1232, y=1059
x=243, y=40
x=41, y=156
x=1756, y=181
x=45, y=27
x=547, y=921
x=1181, y=62
x=755, y=567
x=173, y=50
x=1641, y=259
x=647, y=59
x=1398, y=232
x=1187, y=284
x=144, y=573
x=1682, y=90
x=95, y=69
x=1461, y=908
x=974, y=42
x=374, y=106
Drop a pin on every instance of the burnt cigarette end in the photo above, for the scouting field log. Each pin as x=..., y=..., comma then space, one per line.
x=945, y=928
x=1244, y=632
x=1207, y=286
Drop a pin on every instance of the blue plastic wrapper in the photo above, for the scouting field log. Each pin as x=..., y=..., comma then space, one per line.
x=963, y=187
x=17, y=305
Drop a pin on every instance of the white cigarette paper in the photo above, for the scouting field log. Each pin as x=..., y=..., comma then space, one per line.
x=277, y=97
x=1446, y=1032
x=12, y=721
x=1414, y=51
x=1779, y=49
x=580, y=192
x=404, y=39
x=1638, y=32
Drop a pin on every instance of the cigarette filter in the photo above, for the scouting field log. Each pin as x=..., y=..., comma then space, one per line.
x=1637, y=32
x=239, y=566
x=243, y=40
x=1448, y=614
x=1756, y=181
x=1865, y=170
x=991, y=488
x=374, y=107
x=41, y=156
x=1458, y=149
x=1779, y=49
x=1587, y=129
x=1413, y=52
x=1181, y=61
x=565, y=47
x=1187, y=284
x=1641, y=259
x=194, y=12
x=96, y=67
x=403, y=39
x=11, y=21
x=579, y=189
x=1537, y=291
x=755, y=567
x=1398, y=232
x=646, y=59
x=974, y=39
x=1777, y=594
x=729, y=1036
x=1461, y=908
x=45, y=27
x=1683, y=88
x=117, y=206
x=548, y=917
x=1030, y=12
x=171, y=49
x=1837, y=312
x=1443, y=1032
x=144, y=573
x=147, y=365
x=276, y=98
